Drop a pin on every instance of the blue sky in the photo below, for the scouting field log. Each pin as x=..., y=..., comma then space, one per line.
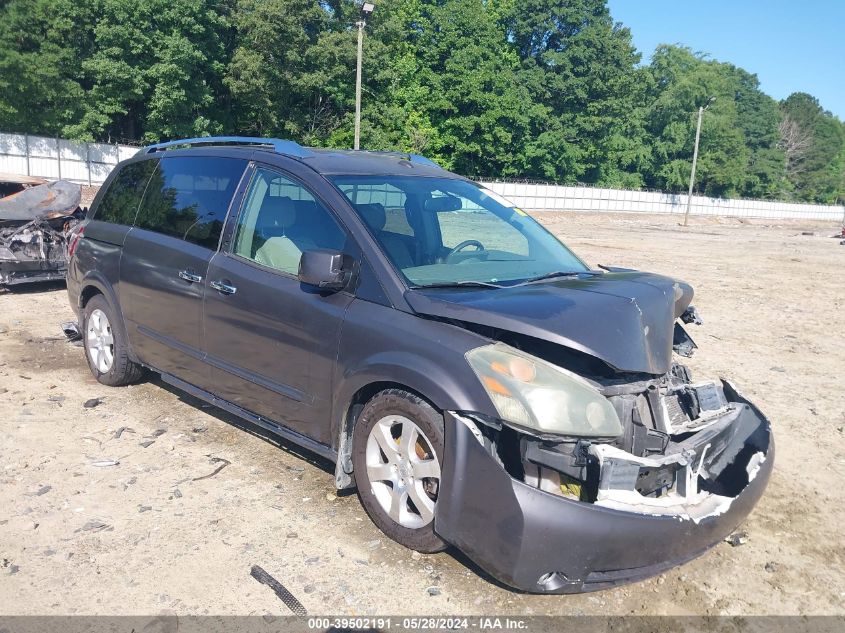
x=791, y=45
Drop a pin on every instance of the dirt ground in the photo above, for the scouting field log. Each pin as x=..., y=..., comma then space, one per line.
x=155, y=534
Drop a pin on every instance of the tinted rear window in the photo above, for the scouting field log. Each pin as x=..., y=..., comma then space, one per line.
x=188, y=198
x=120, y=202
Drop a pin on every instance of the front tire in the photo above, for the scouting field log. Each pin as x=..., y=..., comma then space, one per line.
x=397, y=449
x=106, y=349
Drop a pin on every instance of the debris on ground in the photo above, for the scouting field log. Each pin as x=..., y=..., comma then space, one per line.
x=223, y=464
x=122, y=430
x=279, y=589
x=93, y=402
x=43, y=490
x=104, y=463
x=71, y=331
x=144, y=509
x=146, y=444
x=737, y=538
x=771, y=567
x=433, y=591
x=95, y=525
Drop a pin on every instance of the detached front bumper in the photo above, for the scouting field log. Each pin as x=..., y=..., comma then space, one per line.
x=539, y=542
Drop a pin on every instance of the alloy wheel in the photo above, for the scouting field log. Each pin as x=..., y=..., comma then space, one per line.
x=99, y=341
x=403, y=470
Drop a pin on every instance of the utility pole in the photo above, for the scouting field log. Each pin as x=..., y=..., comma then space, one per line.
x=366, y=9
x=701, y=110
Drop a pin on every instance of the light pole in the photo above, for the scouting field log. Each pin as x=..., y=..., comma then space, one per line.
x=366, y=9
x=701, y=110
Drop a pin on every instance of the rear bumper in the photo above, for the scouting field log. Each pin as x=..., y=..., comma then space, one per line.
x=519, y=534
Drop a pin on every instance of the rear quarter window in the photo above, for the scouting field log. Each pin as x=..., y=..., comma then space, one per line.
x=119, y=203
x=188, y=198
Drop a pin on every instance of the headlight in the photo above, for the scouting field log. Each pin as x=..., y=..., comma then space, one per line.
x=532, y=393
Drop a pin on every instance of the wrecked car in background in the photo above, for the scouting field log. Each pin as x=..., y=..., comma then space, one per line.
x=35, y=227
x=477, y=382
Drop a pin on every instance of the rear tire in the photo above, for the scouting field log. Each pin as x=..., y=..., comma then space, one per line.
x=106, y=349
x=397, y=449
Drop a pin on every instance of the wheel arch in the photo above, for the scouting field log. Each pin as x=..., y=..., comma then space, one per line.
x=442, y=388
x=94, y=284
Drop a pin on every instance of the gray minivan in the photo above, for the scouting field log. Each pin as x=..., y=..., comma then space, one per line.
x=479, y=384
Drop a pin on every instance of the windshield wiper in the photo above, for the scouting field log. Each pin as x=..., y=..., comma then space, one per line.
x=458, y=284
x=556, y=274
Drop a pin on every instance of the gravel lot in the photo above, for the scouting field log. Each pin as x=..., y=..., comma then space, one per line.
x=150, y=535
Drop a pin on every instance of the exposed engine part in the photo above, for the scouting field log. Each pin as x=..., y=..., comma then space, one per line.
x=35, y=225
x=687, y=450
x=682, y=343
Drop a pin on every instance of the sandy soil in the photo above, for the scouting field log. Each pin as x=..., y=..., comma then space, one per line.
x=146, y=536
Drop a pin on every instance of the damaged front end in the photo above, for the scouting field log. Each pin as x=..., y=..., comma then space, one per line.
x=627, y=474
x=35, y=228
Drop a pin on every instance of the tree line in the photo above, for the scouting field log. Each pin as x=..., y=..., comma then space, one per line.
x=551, y=90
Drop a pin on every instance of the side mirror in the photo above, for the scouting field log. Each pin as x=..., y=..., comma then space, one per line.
x=325, y=269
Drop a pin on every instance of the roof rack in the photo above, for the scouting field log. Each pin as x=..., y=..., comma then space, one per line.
x=411, y=158
x=280, y=146
x=288, y=148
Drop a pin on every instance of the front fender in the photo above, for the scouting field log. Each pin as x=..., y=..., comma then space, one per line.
x=445, y=386
x=380, y=344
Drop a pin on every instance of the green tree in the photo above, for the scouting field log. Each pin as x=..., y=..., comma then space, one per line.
x=439, y=78
x=759, y=119
x=42, y=46
x=271, y=74
x=683, y=82
x=818, y=170
x=583, y=68
x=156, y=70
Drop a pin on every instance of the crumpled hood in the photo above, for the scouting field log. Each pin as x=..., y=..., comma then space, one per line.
x=625, y=319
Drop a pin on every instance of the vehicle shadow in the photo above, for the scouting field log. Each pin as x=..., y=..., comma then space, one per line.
x=244, y=425
x=312, y=458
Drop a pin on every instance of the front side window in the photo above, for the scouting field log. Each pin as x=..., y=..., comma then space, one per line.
x=188, y=198
x=280, y=220
x=120, y=202
x=455, y=232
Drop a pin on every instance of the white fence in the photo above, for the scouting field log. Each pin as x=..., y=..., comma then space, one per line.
x=53, y=158
x=538, y=197
x=90, y=163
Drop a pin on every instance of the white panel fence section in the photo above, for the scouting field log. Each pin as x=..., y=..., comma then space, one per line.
x=53, y=158
x=539, y=197
x=90, y=163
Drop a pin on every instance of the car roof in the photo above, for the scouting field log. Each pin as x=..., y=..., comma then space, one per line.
x=322, y=160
